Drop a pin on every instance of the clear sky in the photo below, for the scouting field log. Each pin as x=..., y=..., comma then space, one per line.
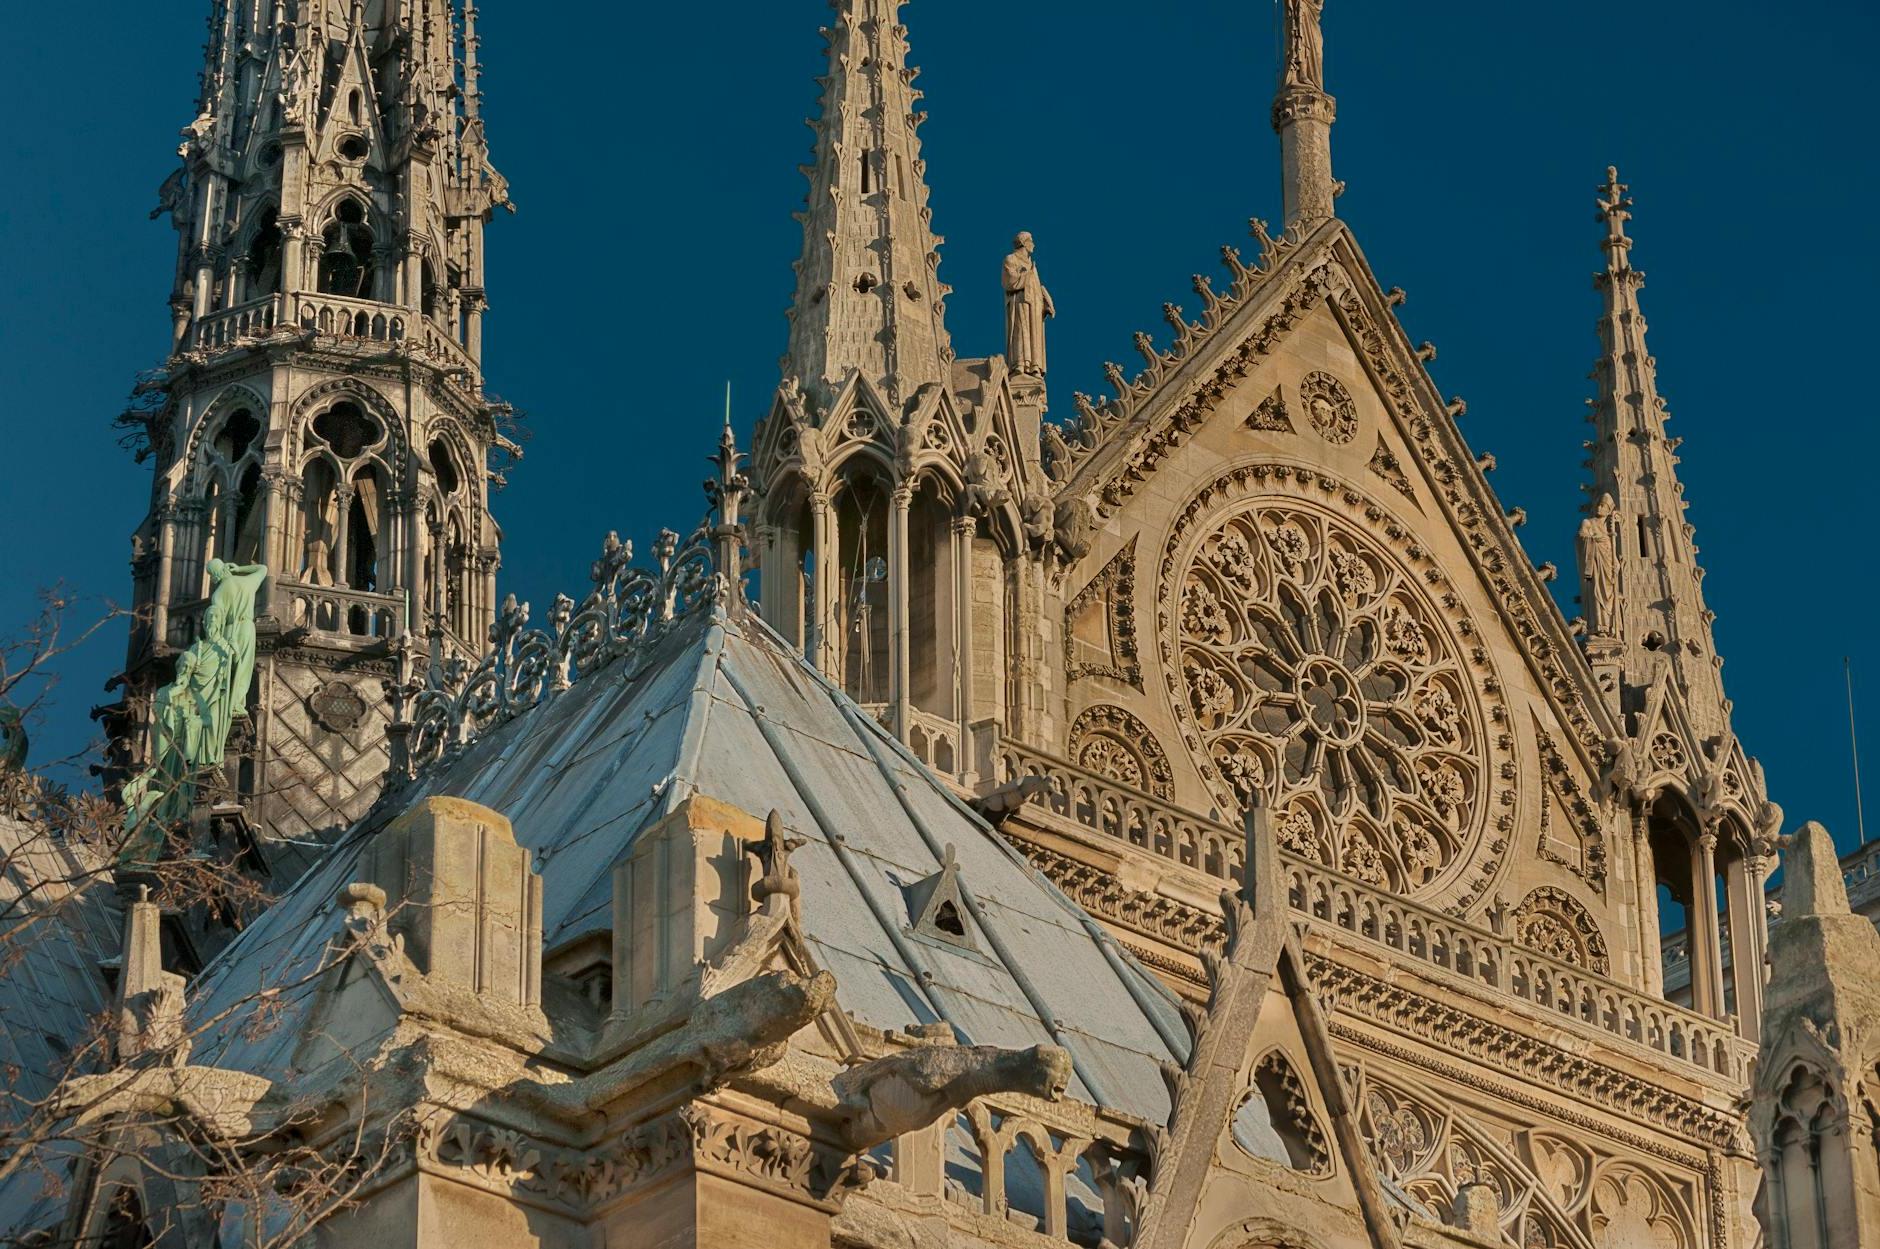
x=653, y=154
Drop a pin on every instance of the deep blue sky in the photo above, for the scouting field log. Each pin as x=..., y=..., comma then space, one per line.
x=653, y=155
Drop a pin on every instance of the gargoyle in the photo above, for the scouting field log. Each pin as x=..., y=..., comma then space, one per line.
x=996, y=806
x=744, y=1028
x=906, y=1091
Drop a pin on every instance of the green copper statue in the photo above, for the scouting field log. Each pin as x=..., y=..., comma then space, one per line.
x=191, y=716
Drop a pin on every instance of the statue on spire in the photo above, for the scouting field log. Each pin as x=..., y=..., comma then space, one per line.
x=1599, y=569
x=1302, y=116
x=1305, y=46
x=1027, y=305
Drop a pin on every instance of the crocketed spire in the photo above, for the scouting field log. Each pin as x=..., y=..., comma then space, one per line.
x=868, y=297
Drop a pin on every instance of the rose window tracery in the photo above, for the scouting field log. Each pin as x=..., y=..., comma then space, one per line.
x=1313, y=669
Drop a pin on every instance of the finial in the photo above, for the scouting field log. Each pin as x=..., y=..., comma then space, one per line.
x=726, y=492
x=1615, y=209
x=472, y=96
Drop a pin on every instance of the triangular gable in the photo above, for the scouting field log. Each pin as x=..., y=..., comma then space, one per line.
x=1419, y=459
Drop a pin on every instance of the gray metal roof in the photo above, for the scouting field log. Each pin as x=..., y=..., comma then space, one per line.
x=724, y=708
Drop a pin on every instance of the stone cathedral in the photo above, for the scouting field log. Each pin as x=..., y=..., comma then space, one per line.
x=1179, y=818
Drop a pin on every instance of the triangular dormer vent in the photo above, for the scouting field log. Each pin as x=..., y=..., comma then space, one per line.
x=938, y=907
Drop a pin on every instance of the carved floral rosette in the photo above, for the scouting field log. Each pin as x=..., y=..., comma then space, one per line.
x=1308, y=664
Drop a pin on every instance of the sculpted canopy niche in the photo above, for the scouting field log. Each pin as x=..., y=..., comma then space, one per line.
x=1313, y=665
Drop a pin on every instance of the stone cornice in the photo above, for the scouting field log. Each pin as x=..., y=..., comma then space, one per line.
x=582, y=1182
x=1396, y=1005
x=1546, y=1063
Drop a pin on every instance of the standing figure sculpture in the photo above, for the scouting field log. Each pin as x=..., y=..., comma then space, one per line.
x=229, y=622
x=1027, y=305
x=1305, y=45
x=190, y=717
x=1599, y=569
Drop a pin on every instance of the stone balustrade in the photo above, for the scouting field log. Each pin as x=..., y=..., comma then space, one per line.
x=233, y=325
x=1066, y=1176
x=335, y=315
x=338, y=612
x=935, y=740
x=1408, y=929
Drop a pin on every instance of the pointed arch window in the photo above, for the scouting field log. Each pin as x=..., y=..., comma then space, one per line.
x=348, y=264
x=264, y=256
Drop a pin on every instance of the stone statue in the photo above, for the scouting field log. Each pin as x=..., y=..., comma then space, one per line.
x=1305, y=45
x=1599, y=569
x=191, y=716
x=1027, y=305
x=230, y=621
x=906, y=1091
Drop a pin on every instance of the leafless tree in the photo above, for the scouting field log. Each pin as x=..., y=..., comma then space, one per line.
x=77, y=1109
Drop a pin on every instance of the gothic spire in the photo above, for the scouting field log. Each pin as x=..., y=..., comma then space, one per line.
x=868, y=295
x=1648, y=601
x=1302, y=115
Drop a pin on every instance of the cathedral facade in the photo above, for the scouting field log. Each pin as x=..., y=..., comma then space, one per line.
x=1183, y=819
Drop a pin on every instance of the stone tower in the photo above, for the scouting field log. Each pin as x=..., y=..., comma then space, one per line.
x=900, y=487
x=1702, y=826
x=322, y=410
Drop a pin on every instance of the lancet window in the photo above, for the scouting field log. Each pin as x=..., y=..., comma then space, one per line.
x=225, y=496
x=348, y=264
x=1705, y=907
x=263, y=268
x=344, y=484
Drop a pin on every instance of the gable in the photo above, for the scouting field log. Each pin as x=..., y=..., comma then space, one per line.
x=1320, y=536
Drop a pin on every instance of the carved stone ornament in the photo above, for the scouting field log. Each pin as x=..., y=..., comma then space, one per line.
x=337, y=706
x=1114, y=591
x=1554, y=922
x=1114, y=743
x=1271, y=415
x=1385, y=465
x=1668, y=753
x=1329, y=407
x=1313, y=668
x=1432, y=1153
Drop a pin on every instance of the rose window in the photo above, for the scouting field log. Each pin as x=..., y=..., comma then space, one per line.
x=1316, y=672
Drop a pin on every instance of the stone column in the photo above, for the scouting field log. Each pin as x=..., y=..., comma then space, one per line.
x=1304, y=119
x=963, y=530
x=899, y=627
x=342, y=532
x=473, y=325
x=273, y=483
x=823, y=537
x=166, y=556
x=1745, y=951
x=1701, y=927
